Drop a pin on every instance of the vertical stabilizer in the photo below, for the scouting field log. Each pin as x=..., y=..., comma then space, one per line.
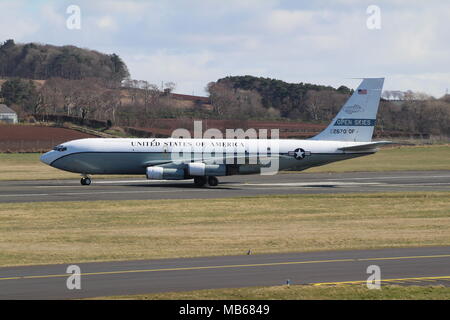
x=357, y=118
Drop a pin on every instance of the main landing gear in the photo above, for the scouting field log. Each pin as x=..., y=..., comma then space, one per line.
x=85, y=181
x=202, y=181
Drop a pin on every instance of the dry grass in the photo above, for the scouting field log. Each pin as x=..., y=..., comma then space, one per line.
x=27, y=166
x=341, y=292
x=418, y=158
x=40, y=233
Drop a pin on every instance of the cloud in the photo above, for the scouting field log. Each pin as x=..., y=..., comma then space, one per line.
x=107, y=22
x=191, y=72
x=192, y=42
x=282, y=21
x=52, y=16
x=13, y=24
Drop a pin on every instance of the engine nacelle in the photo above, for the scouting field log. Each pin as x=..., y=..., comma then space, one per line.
x=200, y=169
x=160, y=173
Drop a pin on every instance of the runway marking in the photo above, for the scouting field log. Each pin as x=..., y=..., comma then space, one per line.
x=247, y=186
x=418, y=184
x=407, y=257
x=95, y=192
x=384, y=178
x=57, y=186
x=24, y=195
x=222, y=267
x=306, y=184
x=260, y=187
x=134, y=181
x=401, y=280
x=178, y=269
x=255, y=187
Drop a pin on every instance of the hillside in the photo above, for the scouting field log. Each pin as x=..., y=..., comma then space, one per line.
x=44, y=61
x=291, y=99
x=319, y=104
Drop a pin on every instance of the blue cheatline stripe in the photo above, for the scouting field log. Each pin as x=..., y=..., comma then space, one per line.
x=356, y=122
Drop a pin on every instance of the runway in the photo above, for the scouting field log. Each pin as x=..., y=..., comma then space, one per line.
x=233, y=186
x=417, y=266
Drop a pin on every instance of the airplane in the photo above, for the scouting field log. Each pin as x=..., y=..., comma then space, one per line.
x=348, y=136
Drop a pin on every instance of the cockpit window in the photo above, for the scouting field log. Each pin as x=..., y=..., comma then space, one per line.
x=60, y=148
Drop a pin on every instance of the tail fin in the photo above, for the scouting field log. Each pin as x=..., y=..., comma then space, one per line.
x=357, y=118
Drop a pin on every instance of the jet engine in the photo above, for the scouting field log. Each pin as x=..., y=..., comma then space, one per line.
x=159, y=173
x=201, y=169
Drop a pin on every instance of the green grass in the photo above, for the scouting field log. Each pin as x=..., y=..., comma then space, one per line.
x=420, y=158
x=26, y=166
x=340, y=292
x=66, y=232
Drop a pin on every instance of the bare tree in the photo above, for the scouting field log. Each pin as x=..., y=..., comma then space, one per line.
x=169, y=87
x=150, y=95
x=230, y=103
x=313, y=104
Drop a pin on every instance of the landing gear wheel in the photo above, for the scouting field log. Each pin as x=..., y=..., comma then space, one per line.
x=213, y=181
x=85, y=181
x=200, y=181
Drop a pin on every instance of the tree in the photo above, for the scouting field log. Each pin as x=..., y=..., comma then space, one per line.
x=150, y=95
x=231, y=103
x=313, y=104
x=119, y=68
x=169, y=87
x=287, y=98
x=36, y=61
x=20, y=92
x=345, y=90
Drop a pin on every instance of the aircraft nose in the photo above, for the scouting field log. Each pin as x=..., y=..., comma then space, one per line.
x=47, y=158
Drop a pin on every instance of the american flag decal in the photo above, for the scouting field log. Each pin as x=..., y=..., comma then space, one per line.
x=362, y=91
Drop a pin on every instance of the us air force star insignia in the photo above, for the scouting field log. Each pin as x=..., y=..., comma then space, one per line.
x=299, y=153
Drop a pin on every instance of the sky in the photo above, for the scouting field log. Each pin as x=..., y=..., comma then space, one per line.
x=194, y=42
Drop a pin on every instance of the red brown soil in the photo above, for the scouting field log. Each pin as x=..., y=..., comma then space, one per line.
x=23, y=138
x=299, y=130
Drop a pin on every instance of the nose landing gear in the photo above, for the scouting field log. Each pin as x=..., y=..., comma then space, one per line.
x=85, y=181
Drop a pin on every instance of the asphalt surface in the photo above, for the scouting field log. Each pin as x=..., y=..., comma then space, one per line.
x=428, y=265
x=285, y=183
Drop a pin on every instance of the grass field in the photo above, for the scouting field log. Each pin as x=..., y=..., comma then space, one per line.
x=42, y=233
x=340, y=292
x=434, y=157
x=27, y=166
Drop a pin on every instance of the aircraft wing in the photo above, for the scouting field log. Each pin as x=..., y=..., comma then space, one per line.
x=156, y=163
x=244, y=159
x=239, y=158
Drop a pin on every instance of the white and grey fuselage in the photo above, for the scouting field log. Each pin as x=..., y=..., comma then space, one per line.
x=134, y=156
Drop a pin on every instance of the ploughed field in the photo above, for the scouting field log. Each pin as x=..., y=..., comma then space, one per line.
x=26, y=138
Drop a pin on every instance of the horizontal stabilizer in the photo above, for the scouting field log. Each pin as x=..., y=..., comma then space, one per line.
x=366, y=146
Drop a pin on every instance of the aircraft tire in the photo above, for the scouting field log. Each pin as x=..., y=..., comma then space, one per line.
x=213, y=181
x=85, y=181
x=200, y=181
